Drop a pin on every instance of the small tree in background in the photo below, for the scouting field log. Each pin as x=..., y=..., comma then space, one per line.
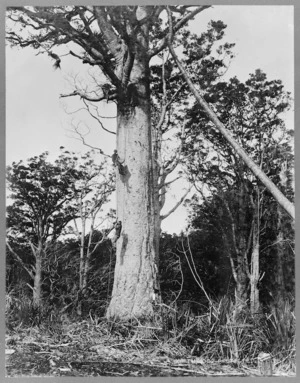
x=252, y=112
x=43, y=195
x=95, y=187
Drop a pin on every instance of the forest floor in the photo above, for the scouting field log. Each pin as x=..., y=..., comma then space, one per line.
x=85, y=350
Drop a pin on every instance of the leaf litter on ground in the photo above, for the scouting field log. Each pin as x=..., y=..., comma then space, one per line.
x=88, y=349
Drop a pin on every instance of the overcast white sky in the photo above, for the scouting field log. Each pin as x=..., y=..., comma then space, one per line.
x=35, y=117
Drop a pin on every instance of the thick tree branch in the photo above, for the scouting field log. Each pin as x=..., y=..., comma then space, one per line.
x=114, y=43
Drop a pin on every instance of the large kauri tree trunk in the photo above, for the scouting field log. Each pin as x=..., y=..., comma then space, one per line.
x=135, y=282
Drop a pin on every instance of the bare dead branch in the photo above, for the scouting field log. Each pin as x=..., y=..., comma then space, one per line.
x=86, y=60
x=162, y=217
x=166, y=184
x=84, y=96
x=97, y=119
x=82, y=139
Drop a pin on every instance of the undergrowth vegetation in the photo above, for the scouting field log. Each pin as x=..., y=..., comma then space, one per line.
x=195, y=320
x=177, y=332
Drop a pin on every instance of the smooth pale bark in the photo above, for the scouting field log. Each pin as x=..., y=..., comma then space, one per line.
x=135, y=282
x=82, y=257
x=254, y=275
x=135, y=272
x=37, y=282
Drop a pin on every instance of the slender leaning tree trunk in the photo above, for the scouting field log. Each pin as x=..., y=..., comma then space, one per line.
x=241, y=288
x=254, y=275
x=242, y=270
x=37, y=282
x=135, y=281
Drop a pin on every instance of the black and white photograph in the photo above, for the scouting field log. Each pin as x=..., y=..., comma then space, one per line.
x=150, y=190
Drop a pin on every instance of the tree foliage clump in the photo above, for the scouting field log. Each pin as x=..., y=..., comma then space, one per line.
x=241, y=210
x=45, y=199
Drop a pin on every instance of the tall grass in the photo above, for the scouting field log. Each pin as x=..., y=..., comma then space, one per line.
x=215, y=334
x=281, y=323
